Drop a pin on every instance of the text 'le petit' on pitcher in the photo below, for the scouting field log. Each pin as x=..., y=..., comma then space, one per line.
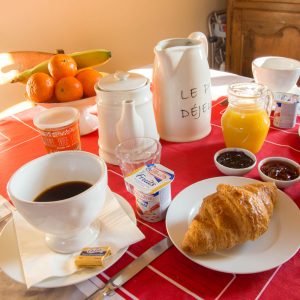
x=181, y=88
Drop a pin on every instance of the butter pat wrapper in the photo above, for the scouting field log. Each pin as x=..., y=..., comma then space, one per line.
x=151, y=186
x=92, y=256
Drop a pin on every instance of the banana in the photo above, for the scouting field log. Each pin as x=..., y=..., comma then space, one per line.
x=84, y=59
x=91, y=58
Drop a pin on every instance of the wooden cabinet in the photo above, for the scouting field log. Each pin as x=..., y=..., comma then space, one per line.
x=261, y=28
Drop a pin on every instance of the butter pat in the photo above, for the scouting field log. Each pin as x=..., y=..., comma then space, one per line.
x=151, y=186
x=92, y=256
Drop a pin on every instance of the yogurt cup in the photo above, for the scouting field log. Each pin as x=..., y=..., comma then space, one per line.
x=151, y=186
x=59, y=128
x=286, y=107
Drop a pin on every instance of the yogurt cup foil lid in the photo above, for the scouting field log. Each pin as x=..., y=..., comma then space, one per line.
x=150, y=178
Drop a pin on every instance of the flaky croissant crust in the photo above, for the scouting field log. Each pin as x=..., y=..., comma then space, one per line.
x=231, y=216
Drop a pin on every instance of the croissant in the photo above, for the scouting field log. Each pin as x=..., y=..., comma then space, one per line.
x=231, y=216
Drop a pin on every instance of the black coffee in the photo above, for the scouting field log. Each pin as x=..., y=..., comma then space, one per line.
x=62, y=191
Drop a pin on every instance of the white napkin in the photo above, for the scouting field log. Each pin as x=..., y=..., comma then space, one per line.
x=5, y=208
x=40, y=263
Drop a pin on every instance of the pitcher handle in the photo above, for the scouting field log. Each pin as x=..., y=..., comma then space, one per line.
x=200, y=36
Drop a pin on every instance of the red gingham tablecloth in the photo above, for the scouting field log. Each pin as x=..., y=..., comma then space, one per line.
x=172, y=275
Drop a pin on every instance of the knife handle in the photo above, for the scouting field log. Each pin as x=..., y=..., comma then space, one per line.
x=132, y=269
x=107, y=290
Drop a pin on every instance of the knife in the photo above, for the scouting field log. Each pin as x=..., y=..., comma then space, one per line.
x=132, y=269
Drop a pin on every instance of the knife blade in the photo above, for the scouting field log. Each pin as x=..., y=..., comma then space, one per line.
x=132, y=269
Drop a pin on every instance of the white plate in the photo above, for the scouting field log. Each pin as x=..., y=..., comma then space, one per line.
x=10, y=261
x=276, y=246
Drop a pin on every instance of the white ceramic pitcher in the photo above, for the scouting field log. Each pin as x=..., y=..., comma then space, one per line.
x=181, y=88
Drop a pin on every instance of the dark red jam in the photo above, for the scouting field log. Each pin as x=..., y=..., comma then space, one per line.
x=235, y=160
x=280, y=170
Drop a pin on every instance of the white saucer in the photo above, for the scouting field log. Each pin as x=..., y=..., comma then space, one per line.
x=10, y=261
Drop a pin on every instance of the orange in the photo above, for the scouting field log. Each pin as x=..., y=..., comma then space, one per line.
x=62, y=65
x=88, y=79
x=40, y=87
x=68, y=89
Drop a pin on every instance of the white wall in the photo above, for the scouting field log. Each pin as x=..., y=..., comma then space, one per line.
x=129, y=28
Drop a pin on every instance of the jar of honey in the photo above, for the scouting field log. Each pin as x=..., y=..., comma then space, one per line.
x=246, y=122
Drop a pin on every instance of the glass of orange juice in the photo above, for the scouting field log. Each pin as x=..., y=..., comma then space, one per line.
x=246, y=122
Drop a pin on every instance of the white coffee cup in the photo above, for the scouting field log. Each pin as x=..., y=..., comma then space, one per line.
x=280, y=74
x=69, y=223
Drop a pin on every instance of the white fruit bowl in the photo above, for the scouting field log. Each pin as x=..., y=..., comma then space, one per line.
x=87, y=122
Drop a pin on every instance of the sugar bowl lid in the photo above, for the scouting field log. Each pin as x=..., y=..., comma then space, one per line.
x=122, y=81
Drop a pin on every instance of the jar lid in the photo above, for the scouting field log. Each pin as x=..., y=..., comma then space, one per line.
x=122, y=81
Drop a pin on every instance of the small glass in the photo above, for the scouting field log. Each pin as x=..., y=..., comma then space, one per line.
x=137, y=152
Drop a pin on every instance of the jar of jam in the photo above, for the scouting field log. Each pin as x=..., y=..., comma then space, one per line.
x=246, y=122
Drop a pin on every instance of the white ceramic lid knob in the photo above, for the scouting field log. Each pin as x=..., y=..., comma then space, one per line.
x=122, y=81
x=120, y=75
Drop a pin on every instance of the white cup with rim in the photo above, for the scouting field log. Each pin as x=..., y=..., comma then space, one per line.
x=280, y=74
x=71, y=223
